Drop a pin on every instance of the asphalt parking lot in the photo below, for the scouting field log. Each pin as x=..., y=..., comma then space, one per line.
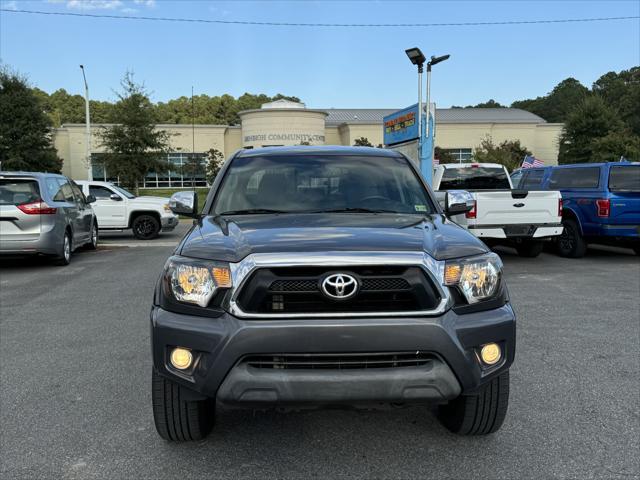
x=76, y=402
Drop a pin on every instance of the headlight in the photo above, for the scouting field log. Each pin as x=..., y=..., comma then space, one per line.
x=477, y=278
x=166, y=207
x=194, y=281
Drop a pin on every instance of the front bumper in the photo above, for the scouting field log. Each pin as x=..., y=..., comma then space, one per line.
x=169, y=223
x=220, y=344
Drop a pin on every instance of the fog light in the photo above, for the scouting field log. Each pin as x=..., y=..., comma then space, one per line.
x=181, y=358
x=490, y=353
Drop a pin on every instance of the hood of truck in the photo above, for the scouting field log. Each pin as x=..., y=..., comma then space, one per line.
x=239, y=236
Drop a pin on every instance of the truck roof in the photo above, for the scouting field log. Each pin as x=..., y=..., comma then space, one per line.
x=318, y=150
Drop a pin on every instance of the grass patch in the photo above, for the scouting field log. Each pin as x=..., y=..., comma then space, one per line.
x=167, y=192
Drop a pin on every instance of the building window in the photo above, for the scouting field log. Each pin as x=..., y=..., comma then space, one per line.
x=185, y=170
x=460, y=155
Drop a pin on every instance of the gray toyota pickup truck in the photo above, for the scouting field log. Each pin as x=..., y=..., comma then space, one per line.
x=323, y=276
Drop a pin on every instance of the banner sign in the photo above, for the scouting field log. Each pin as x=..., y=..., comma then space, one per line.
x=401, y=126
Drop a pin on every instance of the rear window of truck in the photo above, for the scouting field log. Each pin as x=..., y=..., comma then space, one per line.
x=18, y=192
x=474, y=178
x=624, y=178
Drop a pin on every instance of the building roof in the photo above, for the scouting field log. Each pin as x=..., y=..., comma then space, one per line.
x=338, y=116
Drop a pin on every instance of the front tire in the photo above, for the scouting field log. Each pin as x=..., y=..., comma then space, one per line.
x=145, y=227
x=481, y=413
x=178, y=419
x=570, y=242
x=530, y=248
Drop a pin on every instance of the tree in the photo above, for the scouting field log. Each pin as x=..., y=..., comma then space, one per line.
x=491, y=103
x=443, y=156
x=621, y=91
x=133, y=146
x=591, y=121
x=25, y=128
x=362, y=142
x=193, y=167
x=215, y=160
x=509, y=153
x=556, y=106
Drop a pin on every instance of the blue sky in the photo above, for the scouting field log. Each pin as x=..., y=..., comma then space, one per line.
x=325, y=67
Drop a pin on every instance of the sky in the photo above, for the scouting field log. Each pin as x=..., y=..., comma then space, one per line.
x=336, y=67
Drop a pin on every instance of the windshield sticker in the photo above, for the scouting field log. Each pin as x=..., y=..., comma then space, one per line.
x=420, y=208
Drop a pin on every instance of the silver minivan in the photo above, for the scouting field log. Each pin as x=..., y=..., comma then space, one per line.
x=45, y=214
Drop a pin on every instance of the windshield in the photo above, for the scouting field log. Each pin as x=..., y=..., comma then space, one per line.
x=474, y=178
x=124, y=192
x=297, y=184
x=18, y=192
x=624, y=179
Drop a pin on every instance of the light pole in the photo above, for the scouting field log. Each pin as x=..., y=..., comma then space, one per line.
x=433, y=61
x=418, y=58
x=87, y=139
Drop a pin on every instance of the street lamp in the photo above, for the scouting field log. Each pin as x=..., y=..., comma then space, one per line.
x=87, y=140
x=418, y=58
x=433, y=61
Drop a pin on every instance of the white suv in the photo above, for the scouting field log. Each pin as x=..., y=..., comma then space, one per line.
x=119, y=209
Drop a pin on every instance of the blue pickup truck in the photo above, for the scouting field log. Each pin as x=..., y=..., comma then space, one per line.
x=601, y=203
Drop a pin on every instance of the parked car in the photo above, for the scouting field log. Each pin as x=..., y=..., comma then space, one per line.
x=601, y=203
x=328, y=275
x=46, y=214
x=524, y=219
x=119, y=209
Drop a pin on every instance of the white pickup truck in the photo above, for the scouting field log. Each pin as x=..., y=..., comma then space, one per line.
x=501, y=215
x=119, y=209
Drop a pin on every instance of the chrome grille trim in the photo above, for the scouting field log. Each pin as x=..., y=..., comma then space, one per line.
x=241, y=271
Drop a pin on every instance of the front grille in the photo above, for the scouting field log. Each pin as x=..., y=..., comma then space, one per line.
x=340, y=361
x=368, y=284
x=297, y=290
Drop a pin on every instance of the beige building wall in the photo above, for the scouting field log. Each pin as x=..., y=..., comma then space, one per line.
x=541, y=138
x=279, y=126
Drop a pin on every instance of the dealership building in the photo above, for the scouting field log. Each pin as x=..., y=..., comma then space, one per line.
x=283, y=122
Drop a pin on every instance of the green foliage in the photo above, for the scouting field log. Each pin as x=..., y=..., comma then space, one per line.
x=218, y=110
x=591, y=128
x=509, y=153
x=193, y=167
x=362, y=142
x=555, y=106
x=621, y=91
x=133, y=146
x=25, y=128
x=215, y=160
x=491, y=103
x=443, y=156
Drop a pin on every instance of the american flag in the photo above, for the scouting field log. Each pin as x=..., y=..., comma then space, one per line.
x=531, y=162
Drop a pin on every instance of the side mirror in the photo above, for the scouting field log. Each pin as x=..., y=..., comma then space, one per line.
x=115, y=197
x=458, y=202
x=90, y=198
x=184, y=203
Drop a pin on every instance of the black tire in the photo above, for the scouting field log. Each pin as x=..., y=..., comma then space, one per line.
x=530, y=248
x=145, y=227
x=478, y=414
x=64, y=257
x=177, y=419
x=93, y=239
x=570, y=242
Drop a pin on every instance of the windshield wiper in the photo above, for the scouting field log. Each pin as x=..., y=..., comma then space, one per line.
x=351, y=210
x=252, y=211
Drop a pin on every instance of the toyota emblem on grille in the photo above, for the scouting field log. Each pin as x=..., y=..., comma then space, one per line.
x=340, y=286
